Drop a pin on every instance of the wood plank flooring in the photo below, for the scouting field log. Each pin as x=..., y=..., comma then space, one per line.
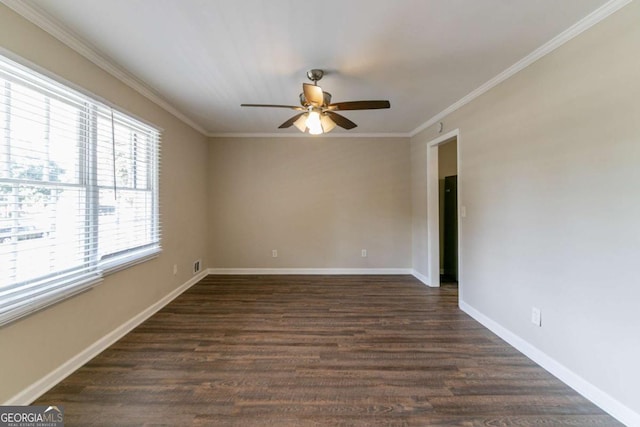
x=316, y=350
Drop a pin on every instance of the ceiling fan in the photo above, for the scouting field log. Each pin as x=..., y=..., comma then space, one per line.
x=318, y=115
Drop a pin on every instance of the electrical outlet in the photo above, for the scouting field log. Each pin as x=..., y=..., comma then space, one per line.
x=364, y=253
x=175, y=269
x=196, y=266
x=536, y=317
x=274, y=253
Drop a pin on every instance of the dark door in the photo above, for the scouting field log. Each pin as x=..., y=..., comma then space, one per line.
x=450, y=239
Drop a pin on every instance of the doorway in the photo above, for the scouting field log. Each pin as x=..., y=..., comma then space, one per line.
x=443, y=159
x=448, y=211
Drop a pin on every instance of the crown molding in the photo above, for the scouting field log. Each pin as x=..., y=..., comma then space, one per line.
x=579, y=27
x=43, y=20
x=305, y=135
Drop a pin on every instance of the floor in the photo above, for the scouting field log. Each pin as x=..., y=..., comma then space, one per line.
x=316, y=350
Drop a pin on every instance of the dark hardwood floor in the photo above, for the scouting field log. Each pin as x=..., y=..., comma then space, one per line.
x=316, y=350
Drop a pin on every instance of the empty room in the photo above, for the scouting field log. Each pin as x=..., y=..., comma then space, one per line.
x=357, y=213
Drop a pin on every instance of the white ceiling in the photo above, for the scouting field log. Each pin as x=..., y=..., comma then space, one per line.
x=206, y=57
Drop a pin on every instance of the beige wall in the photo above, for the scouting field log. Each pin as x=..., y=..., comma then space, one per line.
x=419, y=234
x=549, y=174
x=36, y=345
x=318, y=201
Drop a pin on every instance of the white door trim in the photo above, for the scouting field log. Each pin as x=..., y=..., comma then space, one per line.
x=433, y=213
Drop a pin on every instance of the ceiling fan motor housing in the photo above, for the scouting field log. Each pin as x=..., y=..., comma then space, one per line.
x=315, y=75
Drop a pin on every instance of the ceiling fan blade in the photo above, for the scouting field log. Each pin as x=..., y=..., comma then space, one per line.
x=293, y=107
x=313, y=94
x=341, y=121
x=359, y=105
x=290, y=122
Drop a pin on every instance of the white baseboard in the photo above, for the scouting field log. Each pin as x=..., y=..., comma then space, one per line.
x=327, y=271
x=38, y=388
x=621, y=412
x=424, y=279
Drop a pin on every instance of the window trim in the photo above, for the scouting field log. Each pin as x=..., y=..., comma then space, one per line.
x=24, y=298
x=133, y=257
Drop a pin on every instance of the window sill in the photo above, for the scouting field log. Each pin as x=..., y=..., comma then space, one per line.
x=138, y=257
x=47, y=296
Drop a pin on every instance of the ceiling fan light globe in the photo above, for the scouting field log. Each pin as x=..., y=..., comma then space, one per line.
x=301, y=123
x=327, y=123
x=315, y=131
x=313, y=123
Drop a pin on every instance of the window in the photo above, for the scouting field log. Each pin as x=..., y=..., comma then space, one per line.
x=78, y=191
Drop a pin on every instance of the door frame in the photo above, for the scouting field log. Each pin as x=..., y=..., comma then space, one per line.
x=433, y=211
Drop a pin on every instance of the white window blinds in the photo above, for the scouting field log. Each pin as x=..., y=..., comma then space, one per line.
x=78, y=191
